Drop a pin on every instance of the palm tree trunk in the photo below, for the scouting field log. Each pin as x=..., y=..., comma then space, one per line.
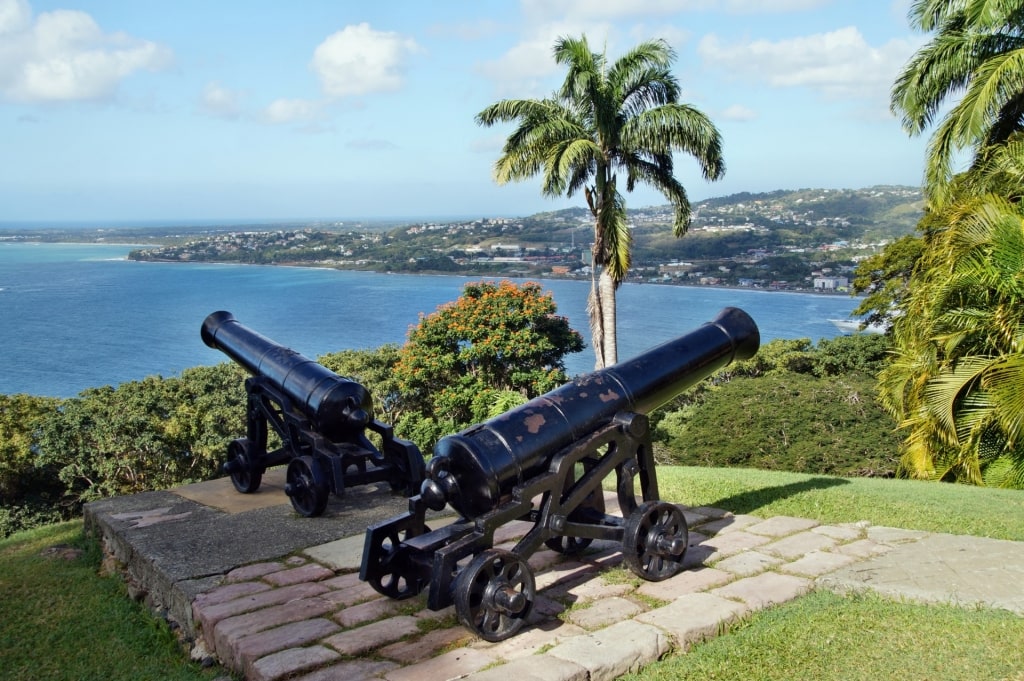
x=596, y=319
x=606, y=294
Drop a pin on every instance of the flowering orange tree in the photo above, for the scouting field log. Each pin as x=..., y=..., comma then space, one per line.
x=470, y=354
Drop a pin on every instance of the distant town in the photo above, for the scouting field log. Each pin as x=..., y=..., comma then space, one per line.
x=803, y=240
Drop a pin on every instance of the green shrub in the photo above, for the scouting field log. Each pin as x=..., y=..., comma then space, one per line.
x=786, y=422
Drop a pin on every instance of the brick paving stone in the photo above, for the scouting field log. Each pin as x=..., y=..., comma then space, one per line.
x=604, y=612
x=360, y=593
x=712, y=512
x=592, y=589
x=529, y=640
x=288, y=663
x=452, y=665
x=251, y=648
x=698, y=556
x=840, y=532
x=410, y=652
x=544, y=607
x=373, y=636
x=228, y=632
x=616, y=650
x=428, y=614
x=346, y=581
x=863, y=548
x=760, y=591
x=729, y=523
x=254, y=571
x=543, y=559
x=353, y=670
x=692, y=517
x=209, y=616
x=228, y=592
x=727, y=544
x=534, y=668
x=306, y=573
x=894, y=535
x=796, y=545
x=817, y=563
x=748, y=563
x=368, y=612
x=687, y=581
x=695, y=617
x=782, y=525
x=562, y=577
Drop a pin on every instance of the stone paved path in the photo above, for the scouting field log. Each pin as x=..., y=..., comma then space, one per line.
x=308, y=617
x=274, y=596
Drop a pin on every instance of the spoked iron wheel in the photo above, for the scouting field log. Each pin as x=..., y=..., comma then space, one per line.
x=655, y=540
x=494, y=594
x=244, y=475
x=392, y=576
x=305, y=486
x=569, y=546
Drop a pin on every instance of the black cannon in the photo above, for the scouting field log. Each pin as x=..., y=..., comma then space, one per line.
x=320, y=417
x=544, y=462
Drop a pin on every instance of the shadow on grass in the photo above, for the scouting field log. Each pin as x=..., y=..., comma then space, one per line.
x=751, y=501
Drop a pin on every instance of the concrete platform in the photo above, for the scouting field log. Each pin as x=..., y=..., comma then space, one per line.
x=272, y=595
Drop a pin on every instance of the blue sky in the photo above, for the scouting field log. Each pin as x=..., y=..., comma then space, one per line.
x=199, y=109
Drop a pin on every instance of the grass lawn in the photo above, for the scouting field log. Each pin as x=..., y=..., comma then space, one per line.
x=60, y=620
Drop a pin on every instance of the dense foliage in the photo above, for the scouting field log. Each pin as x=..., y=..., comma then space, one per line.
x=107, y=441
x=495, y=340
x=958, y=327
x=792, y=407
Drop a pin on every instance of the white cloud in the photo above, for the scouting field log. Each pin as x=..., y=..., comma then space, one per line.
x=839, y=64
x=286, y=111
x=524, y=69
x=64, y=55
x=221, y=102
x=738, y=112
x=358, y=60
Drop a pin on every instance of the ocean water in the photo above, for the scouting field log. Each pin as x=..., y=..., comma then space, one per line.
x=75, y=316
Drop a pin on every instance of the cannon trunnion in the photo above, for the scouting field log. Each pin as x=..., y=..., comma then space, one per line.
x=544, y=462
x=320, y=417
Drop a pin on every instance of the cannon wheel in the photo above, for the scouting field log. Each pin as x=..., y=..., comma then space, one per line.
x=494, y=594
x=569, y=546
x=244, y=475
x=306, y=487
x=393, y=578
x=655, y=540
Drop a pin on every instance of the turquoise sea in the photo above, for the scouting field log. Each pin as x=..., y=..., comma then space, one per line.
x=75, y=316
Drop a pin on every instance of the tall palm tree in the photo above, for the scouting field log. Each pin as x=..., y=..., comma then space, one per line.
x=977, y=54
x=955, y=381
x=604, y=120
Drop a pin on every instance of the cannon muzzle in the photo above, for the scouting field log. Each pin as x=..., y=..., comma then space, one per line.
x=338, y=408
x=476, y=469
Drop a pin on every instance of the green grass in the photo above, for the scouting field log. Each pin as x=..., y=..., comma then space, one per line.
x=60, y=620
x=909, y=504
x=827, y=637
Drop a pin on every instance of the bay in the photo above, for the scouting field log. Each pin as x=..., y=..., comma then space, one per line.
x=76, y=316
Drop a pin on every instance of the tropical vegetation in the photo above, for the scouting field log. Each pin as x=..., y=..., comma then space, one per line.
x=954, y=381
x=605, y=119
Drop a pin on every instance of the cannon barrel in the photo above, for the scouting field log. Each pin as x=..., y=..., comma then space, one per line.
x=338, y=408
x=474, y=470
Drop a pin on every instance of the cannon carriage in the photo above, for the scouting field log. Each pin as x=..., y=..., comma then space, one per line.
x=545, y=462
x=321, y=419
